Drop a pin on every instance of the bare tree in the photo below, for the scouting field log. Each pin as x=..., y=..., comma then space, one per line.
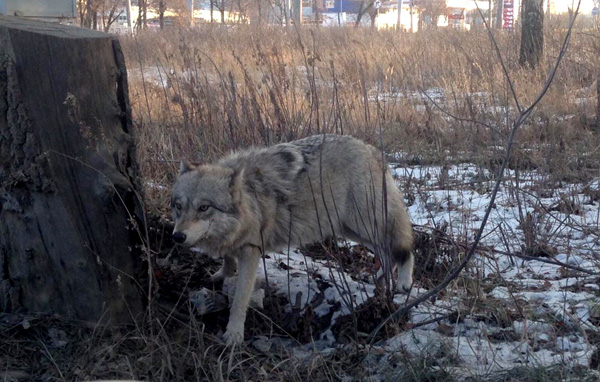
x=110, y=11
x=162, y=7
x=88, y=10
x=221, y=6
x=82, y=7
x=262, y=11
x=251, y=10
x=498, y=7
x=532, y=33
x=142, y=21
x=433, y=9
x=366, y=6
x=178, y=7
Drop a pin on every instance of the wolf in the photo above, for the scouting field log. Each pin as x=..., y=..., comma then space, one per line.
x=296, y=193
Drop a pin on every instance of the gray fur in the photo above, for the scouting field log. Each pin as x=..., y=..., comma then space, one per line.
x=304, y=191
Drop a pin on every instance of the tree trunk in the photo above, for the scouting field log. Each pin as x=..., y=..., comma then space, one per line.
x=373, y=14
x=161, y=14
x=499, y=13
x=297, y=12
x=260, y=11
x=112, y=17
x=88, y=14
x=140, y=20
x=69, y=211
x=363, y=8
x=598, y=101
x=145, y=14
x=532, y=34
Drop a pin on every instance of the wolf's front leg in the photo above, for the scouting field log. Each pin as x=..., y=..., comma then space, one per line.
x=247, y=264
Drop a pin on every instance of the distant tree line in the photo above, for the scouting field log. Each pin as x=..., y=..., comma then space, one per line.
x=102, y=14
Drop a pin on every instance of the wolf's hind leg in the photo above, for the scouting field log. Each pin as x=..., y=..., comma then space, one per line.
x=228, y=269
x=404, y=261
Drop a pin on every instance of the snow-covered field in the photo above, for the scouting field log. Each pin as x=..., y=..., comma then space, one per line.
x=509, y=308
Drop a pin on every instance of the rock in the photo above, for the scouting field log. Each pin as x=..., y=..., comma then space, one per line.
x=262, y=344
x=208, y=301
x=58, y=338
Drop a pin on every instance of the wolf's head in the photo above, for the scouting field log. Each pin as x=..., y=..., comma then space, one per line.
x=205, y=206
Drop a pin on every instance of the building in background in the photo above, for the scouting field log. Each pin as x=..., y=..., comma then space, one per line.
x=563, y=6
x=418, y=14
x=409, y=15
x=63, y=11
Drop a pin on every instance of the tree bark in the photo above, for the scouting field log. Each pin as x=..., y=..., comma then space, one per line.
x=532, y=34
x=69, y=206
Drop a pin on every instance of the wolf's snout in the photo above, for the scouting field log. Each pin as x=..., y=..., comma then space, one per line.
x=179, y=237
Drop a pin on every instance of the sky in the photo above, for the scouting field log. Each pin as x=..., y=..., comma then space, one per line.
x=562, y=6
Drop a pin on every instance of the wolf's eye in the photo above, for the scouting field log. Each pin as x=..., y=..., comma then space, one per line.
x=203, y=208
x=178, y=206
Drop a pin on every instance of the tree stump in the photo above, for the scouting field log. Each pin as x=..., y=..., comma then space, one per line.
x=69, y=206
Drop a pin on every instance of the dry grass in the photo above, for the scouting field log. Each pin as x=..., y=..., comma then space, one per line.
x=205, y=92
x=437, y=97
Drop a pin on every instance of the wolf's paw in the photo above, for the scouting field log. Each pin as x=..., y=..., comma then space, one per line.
x=404, y=286
x=234, y=335
x=405, y=278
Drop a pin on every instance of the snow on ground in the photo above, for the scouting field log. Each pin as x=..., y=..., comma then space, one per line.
x=559, y=306
x=533, y=312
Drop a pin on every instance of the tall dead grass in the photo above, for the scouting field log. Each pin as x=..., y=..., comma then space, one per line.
x=435, y=96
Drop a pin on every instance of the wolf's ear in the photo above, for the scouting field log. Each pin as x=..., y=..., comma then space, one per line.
x=185, y=166
x=289, y=161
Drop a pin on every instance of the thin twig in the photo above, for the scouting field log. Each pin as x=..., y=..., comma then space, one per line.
x=482, y=251
x=523, y=116
x=499, y=53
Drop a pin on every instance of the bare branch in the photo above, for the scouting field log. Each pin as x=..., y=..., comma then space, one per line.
x=523, y=116
x=497, y=50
